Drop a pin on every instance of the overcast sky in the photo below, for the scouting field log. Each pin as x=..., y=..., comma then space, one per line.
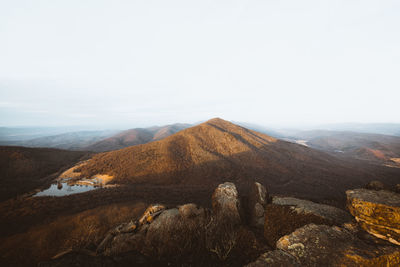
x=139, y=63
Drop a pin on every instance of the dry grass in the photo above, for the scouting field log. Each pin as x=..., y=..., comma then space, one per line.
x=25, y=169
x=82, y=230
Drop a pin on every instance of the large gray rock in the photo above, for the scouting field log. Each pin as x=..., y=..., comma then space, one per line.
x=258, y=198
x=377, y=212
x=300, y=206
x=322, y=245
x=225, y=202
x=191, y=210
x=129, y=236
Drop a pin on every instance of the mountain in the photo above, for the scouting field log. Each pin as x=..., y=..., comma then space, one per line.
x=24, y=169
x=377, y=148
x=217, y=151
x=135, y=136
x=71, y=141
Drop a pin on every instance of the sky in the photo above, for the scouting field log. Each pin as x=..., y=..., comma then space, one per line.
x=141, y=63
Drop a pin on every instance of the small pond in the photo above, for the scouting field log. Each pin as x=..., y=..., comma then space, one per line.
x=63, y=189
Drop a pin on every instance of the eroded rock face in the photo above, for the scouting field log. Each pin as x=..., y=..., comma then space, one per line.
x=258, y=198
x=322, y=245
x=377, y=212
x=286, y=214
x=225, y=202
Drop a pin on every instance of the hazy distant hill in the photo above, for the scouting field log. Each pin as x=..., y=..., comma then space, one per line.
x=135, y=137
x=218, y=151
x=374, y=128
x=9, y=134
x=71, y=141
x=378, y=148
x=24, y=169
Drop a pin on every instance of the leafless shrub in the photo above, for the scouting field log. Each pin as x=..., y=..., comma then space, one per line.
x=221, y=236
x=177, y=241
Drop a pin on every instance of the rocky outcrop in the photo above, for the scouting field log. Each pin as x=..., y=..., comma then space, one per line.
x=301, y=233
x=225, y=202
x=326, y=212
x=257, y=202
x=377, y=212
x=297, y=213
x=322, y=245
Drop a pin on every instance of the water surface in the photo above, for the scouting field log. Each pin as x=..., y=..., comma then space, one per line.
x=66, y=189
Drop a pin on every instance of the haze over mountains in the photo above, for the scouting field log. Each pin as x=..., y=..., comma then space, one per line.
x=94, y=140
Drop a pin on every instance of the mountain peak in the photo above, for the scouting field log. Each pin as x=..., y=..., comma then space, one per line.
x=216, y=120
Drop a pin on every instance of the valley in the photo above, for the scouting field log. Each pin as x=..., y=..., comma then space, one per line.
x=184, y=167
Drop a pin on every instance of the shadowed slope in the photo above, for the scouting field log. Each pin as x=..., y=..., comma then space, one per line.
x=23, y=169
x=218, y=151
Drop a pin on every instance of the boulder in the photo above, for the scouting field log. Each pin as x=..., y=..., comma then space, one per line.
x=275, y=258
x=286, y=214
x=166, y=220
x=191, y=211
x=377, y=212
x=225, y=202
x=126, y=236
x=300, y=206
x=322, y=245
x=257, y=201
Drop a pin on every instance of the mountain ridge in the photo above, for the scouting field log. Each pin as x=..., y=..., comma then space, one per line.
x=218, y=151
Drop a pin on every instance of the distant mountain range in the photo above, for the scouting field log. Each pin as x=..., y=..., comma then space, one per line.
x=377, y=148
x=97, y=141
x=218, y=151
x=135, y=137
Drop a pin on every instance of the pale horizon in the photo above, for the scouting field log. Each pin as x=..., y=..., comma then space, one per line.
x=139, y=64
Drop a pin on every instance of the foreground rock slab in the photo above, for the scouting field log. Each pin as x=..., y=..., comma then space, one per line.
x=301, y=206
x=377, y=212
x=286, y=214
x=322, y=245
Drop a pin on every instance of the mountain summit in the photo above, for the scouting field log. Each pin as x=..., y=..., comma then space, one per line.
x=217, y=151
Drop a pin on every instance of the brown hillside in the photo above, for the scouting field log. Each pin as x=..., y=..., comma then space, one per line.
x=376, y=148
x=134, y=137
x=24, y=169
x=218, y=151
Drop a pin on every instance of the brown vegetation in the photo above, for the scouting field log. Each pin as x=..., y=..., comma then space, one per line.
x=218, y=151
x=275, y=227
x=24, y=169
x=83, y=230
